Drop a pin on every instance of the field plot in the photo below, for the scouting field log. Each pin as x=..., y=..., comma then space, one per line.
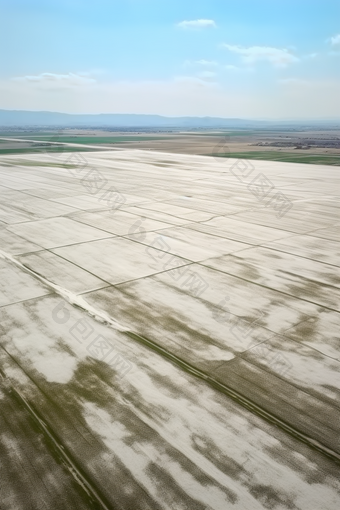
x=169, y=332
x=287, y=144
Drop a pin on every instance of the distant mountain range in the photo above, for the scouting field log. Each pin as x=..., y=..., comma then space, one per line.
x=23, y=118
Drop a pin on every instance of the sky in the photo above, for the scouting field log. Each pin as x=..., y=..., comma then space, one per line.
x=265, y=59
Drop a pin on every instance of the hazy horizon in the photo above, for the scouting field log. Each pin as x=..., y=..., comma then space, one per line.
x=269, y=119
x=250, y=60
x=31, y=118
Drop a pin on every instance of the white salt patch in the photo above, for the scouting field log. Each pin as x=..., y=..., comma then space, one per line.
x=213, y=353
x=58, y=368
x=138, y=458
x=55, y=365
x=69, y=296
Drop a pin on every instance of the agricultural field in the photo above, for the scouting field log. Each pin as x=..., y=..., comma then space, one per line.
x=169, y=326
x=289, y=157
x=287, y=145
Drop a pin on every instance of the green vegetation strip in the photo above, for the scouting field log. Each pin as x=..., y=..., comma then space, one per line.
x=92, y=139
x=237, y=397
x=222, y=134
x=95, y=500
x=211, y=381
x=287, y=157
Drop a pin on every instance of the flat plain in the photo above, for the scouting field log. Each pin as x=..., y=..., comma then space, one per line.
x=169, y=332
x=299, y=144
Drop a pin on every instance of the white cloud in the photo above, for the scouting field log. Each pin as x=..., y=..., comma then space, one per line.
x=197, y=23
x=276, y=56
x=206, y=62
x=335, y=40
x=69, y=79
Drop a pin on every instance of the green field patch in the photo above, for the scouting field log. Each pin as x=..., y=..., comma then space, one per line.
x=286, y=157
x=93, y=139
x=225, y=133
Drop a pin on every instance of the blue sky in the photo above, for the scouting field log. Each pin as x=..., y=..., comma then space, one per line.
x=260, y=58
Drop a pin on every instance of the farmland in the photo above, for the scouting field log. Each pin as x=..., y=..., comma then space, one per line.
x=321, y=147
x=169, y=330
